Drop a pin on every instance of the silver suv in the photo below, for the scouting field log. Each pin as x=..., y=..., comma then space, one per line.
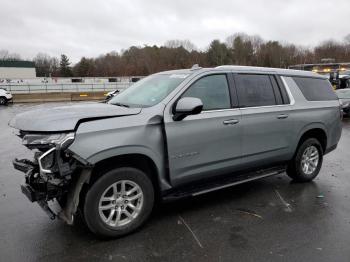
x=175, y=134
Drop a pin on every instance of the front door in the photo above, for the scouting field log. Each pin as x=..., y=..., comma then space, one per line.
x=207, y=144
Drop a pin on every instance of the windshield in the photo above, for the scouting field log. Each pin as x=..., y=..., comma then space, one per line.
x=148, y=91
x=343, y=93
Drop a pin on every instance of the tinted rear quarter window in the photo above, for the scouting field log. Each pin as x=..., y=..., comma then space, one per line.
x=315, y=89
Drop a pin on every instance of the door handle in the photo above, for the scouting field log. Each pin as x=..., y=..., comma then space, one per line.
x=282, y=116
x=231, y=122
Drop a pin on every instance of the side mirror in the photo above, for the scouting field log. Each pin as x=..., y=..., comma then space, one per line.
x=187, y=106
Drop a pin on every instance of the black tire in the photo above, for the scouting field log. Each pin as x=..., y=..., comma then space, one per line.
x=3, y=101
x=295, y=170
x=91, y=205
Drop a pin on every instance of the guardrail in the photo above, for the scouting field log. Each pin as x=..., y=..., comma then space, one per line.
x=64, y=87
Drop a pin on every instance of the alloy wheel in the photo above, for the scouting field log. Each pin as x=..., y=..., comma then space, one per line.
x=309, y=160
x=121, y=203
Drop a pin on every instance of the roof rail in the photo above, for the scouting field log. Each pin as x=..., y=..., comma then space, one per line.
x=195, y=67
x=225, y=66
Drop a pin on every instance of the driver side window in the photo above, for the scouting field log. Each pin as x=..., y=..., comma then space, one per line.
x=213, y=90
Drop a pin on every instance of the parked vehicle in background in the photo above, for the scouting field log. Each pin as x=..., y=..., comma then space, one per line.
x=344, y=98
x=111, y=94
x=175, y=134
x=5, y=96
x=344, y=79
x=337, y=73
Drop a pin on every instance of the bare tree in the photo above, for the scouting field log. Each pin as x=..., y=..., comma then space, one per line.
x=46, y=66
x=6, y=55
x=239, y=48
x=187, y=44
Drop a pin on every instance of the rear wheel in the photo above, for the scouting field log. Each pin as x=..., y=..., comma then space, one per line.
x=307, y=161
x=119, y=202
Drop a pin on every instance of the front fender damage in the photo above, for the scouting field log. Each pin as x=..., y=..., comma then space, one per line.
x=73, y=196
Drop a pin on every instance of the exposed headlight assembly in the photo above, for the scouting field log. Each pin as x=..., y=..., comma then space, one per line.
x=63, y=140
x=50, y=145
x=46, y=161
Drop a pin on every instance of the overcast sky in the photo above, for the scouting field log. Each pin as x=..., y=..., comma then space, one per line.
x=90, y=28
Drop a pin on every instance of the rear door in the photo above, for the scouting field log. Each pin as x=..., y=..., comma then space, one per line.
x=207, y=144
x=266, y=123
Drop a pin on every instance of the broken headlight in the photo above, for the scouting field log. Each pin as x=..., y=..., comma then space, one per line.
x=47, y=160
x=50, y=148
x=63, y=140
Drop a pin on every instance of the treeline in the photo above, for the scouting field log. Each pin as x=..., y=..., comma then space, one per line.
x=238, y=49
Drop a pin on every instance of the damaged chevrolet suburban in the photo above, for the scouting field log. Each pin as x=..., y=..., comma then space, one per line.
x=175, y=134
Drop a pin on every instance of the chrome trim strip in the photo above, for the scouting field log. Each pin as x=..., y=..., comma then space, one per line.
x=289, y=93
x=43, y=156
x=291, y=98
x=257, y=107
x=219, y=110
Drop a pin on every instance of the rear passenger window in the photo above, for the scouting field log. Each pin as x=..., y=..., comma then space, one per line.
x=254, y=90
x=315, y=89
x=212, y=90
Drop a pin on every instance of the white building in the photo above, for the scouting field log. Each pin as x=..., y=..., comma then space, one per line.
x=17, y=70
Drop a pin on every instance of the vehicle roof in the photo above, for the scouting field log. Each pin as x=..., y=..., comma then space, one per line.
x=247, y=69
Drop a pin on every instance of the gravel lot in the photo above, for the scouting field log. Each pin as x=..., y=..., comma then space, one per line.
x=267, y=220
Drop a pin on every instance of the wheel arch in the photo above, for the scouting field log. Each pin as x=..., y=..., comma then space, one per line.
x=314, y=131
x=140, y=161
x=132, y=155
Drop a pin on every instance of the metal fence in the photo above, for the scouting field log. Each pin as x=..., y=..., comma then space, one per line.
x=64, y=87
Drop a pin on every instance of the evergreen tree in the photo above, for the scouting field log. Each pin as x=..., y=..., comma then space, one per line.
x=84, y=68
x=218, y=54
x=65, y=69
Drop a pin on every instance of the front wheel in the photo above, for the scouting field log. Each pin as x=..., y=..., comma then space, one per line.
x=3, y=100
x=307, y=161
x=119, y=202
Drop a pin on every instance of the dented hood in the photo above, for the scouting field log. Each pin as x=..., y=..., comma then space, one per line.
x=66, y=118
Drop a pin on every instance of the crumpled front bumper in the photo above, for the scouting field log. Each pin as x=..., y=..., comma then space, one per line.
x=23, y=165
x=42, y=188
x=33, y=188
x=32, y=195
